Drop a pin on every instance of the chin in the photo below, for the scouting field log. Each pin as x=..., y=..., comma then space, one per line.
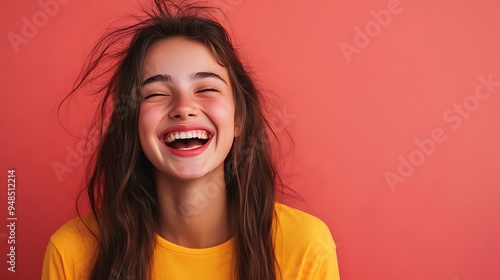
x=188, y=174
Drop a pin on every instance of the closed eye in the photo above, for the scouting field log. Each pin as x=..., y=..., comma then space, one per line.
x=153, y=95
x=209, y=90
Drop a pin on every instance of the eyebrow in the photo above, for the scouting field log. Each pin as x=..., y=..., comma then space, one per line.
x=164, y=78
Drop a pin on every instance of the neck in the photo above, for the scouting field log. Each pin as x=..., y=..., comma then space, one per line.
x=193, y=213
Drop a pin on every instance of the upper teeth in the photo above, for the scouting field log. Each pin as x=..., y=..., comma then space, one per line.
x=174, y=135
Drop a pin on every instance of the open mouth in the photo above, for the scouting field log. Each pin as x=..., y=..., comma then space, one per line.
x=186, y=140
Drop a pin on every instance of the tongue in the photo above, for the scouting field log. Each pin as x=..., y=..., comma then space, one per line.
x=191, y=144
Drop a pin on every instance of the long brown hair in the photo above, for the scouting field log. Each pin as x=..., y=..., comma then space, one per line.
x=121, y=184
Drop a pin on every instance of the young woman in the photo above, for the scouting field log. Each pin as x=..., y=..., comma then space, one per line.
x=183, y=183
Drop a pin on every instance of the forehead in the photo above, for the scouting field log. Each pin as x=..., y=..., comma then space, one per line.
x=179, y=56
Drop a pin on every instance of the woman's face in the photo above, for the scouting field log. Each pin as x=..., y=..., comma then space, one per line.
x=186, y=119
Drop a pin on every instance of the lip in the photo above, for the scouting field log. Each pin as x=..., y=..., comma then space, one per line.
x=186, y=127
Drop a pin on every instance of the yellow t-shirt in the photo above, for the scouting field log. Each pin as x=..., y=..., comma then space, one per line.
x=304, y=250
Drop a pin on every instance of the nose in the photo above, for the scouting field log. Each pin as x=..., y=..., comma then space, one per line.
x=183, y=107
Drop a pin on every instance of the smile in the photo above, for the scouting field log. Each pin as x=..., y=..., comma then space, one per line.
x=186, y=140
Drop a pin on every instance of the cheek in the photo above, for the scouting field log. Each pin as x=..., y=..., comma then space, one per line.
x=148, y=118
x=222, y=113
x=224, y=118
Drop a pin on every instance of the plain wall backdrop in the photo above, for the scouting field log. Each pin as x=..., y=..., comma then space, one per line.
x=393, y=107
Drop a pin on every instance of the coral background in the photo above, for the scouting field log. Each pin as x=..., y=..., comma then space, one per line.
x=393, y=107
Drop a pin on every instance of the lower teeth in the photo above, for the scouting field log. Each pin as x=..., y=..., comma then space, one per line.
x=189, y=148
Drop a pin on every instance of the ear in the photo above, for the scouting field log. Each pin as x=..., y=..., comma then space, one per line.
x=237, y=126
x=237, y=130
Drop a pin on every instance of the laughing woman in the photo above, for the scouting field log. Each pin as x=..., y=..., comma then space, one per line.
x=182, y=183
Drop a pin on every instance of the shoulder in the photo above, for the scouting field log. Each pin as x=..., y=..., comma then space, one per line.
x=75, y=233
x=70, y=249
x=294, y=222
x=304, y=245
